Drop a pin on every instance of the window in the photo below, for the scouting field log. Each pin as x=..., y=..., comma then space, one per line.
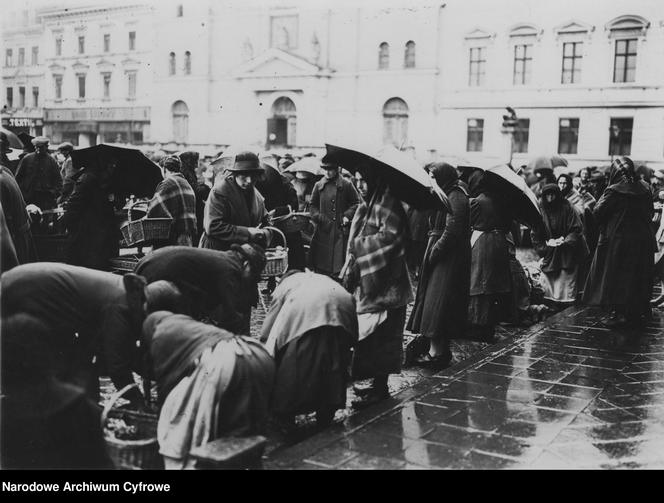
x=475, y=135
x=21, y=56
x=81, y=85
x=521, y=136
x=171, y=64
x=620, y=136
x=35, y=56
x=395, y=122
x=624, y=68
x=81, y=45
x=107, y=42
x=409, y=55
x=568, y=136
x=523, y=60
x=477, y=67
x=132, y=40
x=35, y=97
x=106, y=79
x=283, y=34
x=21, y=97
x=282, y=126
x=9, y=57
x=58, y=46
x=131, y=84
x=58, y=86
x=384, y=56
x=180, y=112
x=10, y=97
x=572, y=54
x=179, y=11
x=187, y=63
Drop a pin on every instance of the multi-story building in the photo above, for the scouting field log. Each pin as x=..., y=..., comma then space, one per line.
x=98, y=75
x=584, y=78
x=22, y=71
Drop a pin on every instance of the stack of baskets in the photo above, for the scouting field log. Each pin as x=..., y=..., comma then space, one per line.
x=141, y=453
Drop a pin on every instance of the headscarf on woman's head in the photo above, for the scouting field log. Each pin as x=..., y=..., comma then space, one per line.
x=189, y=164
x=622, y=170
x=446, y=176
x=570, y=184
x=551, y=188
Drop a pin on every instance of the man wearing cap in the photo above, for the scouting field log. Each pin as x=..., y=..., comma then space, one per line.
x=333, y=204
x=38, y=176
x=174, y=198
x=67, y=171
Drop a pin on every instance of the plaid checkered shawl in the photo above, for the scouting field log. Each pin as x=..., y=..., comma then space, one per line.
x=377, y=242
x=175, y=198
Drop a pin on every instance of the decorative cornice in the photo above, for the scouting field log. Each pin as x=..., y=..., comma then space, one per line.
x=480, y=34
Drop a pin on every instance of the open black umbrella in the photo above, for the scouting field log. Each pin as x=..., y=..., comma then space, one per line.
x=406, y=178
x=27, y=141
x=504, y=181
x=14, y=141
x=135, y=173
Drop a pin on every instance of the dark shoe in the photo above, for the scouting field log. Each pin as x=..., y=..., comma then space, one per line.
x=363, y=390
x=416, y=347
x=371, y=398
x=324, y=417
x=614, y=322
x=435, y=363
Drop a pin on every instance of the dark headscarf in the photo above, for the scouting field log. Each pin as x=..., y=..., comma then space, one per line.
x=446, y=176
x=189, y=164
x=175, y=342
x=570, y=185
x=551, y=188
x=623, y=178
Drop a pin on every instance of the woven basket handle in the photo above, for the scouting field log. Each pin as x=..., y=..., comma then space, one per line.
x=114, y=398
x=131, y=207
x=283, y=236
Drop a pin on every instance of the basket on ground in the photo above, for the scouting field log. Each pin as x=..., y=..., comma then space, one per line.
x=276, y=258
x=140, y=452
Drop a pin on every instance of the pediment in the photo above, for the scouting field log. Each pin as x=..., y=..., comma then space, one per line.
x=56, y=68
x=104, y=63
x=525, y=30
x=479, y=34
x=78, y=66
x=572, y=27
x=627, y=25
x=130, y=63
x=275, y=62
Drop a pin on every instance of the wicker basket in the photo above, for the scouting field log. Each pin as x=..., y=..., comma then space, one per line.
x=276, y=258
x=146, y=230
x=141, y=454
x=293, y=222
x=125, y=263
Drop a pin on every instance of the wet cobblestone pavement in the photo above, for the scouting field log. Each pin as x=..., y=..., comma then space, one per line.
x=567, y=393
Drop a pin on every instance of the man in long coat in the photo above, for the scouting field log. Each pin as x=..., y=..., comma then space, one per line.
x=333, y=204
x=621, y=272
x=17, y=217
x=38, y=175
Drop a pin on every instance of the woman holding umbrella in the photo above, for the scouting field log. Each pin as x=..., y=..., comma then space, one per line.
x=377, y=275
x=443, y=292
x=620, y=277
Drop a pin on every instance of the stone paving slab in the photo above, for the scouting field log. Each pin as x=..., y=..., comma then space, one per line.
x=567, y=393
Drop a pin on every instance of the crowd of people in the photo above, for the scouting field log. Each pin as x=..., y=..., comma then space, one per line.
x=182, y=318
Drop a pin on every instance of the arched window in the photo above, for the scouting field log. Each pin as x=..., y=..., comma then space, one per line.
x=171, y=64
x=187, y=63
x=409, y=55
x=180, y=112
x=384, y=56
x=395, y=122
x=281, y=127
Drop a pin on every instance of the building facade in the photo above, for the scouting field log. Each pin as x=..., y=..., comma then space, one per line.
x=98, y=78
x=22, y=71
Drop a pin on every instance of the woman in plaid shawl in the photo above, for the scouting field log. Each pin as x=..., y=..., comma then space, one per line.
x=175, y=198
x=377, y=275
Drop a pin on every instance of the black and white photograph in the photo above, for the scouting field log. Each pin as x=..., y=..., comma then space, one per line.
x=275, y=235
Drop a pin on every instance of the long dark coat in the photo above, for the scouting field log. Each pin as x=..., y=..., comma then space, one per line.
x=621, y=271
x=229, y=214
x=441, y=304
x=38, y=175
x=17, y=218
x=94, y=236
x=331, y=201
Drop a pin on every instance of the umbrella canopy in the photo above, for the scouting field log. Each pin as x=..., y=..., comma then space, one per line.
x=546, y=162
x=14, y=141
x=26, y=139
x=406, y=178
x=307, y=164
x=506, y=182
x=135, y=174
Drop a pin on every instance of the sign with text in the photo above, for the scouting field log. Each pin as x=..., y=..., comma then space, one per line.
x=97, y=114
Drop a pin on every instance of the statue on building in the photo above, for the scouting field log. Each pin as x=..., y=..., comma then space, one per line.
x=247, y=50
x=315, y=48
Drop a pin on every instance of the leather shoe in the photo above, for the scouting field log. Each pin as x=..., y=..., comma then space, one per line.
x=436, y=363
x=370, y=398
